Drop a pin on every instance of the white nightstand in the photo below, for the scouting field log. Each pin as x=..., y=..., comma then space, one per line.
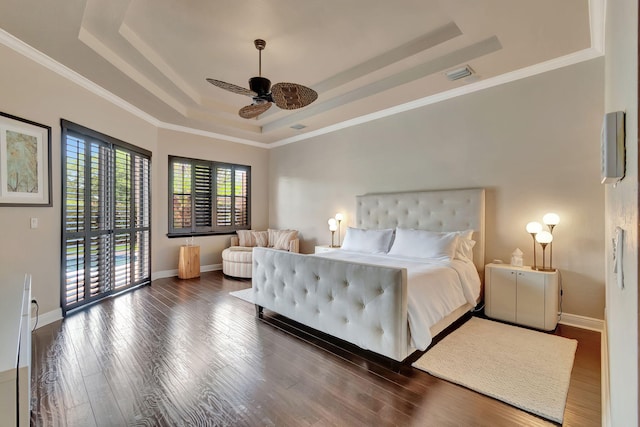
x=521, y=295
x=325, y=248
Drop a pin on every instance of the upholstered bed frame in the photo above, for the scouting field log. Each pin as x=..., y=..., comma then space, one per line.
x=329, y=295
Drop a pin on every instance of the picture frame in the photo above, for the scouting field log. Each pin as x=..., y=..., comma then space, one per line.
x=25, y=162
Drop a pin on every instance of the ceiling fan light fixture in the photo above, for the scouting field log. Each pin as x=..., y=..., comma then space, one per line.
x=459, y=73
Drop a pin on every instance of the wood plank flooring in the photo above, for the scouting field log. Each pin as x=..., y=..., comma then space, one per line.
x=186, y=353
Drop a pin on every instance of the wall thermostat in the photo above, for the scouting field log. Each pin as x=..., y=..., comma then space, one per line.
x=612, y=146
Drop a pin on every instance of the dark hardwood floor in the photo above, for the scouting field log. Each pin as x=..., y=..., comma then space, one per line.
x=185, y=352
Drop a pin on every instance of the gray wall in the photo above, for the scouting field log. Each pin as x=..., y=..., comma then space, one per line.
x=533, y=144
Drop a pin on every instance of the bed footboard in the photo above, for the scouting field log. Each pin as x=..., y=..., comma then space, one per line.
x=363, y=304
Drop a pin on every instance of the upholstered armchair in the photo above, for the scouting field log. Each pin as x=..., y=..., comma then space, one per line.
x=237, y=259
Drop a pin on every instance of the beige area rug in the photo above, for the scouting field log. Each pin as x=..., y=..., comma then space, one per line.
x=244, y=294
x=527, y=369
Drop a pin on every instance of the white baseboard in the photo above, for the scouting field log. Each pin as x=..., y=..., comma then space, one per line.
x=212, y=267
x=604, y=378
x=163, y=274
x=173, y=273
x=46, y=318
x=582, y=322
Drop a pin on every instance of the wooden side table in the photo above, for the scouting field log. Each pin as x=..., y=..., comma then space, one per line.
x=189, y=262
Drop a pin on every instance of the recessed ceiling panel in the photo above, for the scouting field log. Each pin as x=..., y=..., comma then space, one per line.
x=360, y=56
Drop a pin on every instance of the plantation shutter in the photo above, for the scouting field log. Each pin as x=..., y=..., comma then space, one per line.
x=241, y=213
x=142, y=212
x=106, y=216
x=181, y=195
x=203, y=189
x=224, y=196
x=208, y=197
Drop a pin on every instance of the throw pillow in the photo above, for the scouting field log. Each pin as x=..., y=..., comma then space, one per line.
x=261, y=238
x=281, y=238
x=245, y=238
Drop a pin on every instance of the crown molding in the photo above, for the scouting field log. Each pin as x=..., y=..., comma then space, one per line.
x=597, y=26
x=38, y=57
x=200, y=132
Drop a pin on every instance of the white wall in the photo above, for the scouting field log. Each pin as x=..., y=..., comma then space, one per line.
x=534, y=144
x=621, y=209
x=31, y=91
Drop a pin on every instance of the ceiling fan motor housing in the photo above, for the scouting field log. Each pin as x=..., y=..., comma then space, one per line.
x=260, y=85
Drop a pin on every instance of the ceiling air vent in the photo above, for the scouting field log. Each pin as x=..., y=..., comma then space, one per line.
x=298, y=126
x=459, y=73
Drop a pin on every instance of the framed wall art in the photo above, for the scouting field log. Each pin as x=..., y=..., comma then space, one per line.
x=25, y=162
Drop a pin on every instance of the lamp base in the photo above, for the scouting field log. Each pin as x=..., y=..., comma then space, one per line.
x=550, y=270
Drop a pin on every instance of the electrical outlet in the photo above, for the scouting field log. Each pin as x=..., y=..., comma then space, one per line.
x=34, y=222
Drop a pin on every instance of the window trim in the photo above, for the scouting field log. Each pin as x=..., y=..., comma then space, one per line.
x=215, y=230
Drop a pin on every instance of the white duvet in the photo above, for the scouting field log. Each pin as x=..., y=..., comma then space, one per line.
x=435, y=288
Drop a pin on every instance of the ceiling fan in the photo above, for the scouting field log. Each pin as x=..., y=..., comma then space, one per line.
x=288, y=96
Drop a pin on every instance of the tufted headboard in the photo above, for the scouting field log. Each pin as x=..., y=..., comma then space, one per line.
x=437, y=210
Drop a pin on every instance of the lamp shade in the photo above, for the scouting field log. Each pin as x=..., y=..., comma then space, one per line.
x=544, y=237
x=332, y=221
x=339, y=217
x=551, y=219
x=333, y=227
x=534, y=227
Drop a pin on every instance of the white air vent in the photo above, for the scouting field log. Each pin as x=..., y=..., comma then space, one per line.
x=459, y=73
x=298, y=126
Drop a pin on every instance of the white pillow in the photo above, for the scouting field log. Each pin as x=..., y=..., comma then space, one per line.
x=424, y=244
x=466, y=234
x=464, y=249
x=367, y=241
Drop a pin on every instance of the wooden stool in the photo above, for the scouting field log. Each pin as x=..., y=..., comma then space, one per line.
x=189, y=262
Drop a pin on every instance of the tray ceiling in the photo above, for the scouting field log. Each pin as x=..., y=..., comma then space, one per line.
x=364, y=58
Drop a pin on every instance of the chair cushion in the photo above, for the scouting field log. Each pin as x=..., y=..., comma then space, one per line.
x=237, y=254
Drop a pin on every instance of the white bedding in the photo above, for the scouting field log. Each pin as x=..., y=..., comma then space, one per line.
x=435, y=288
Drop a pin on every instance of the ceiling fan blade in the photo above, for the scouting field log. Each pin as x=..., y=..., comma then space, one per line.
x=253, y=110
x=232, y=88
x=290, y=96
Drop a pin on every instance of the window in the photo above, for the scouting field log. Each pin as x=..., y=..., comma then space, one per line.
x=208, y=197
x=106, y=216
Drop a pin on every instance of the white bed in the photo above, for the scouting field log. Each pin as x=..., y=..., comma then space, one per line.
x=435, y=288
x=378, y=302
